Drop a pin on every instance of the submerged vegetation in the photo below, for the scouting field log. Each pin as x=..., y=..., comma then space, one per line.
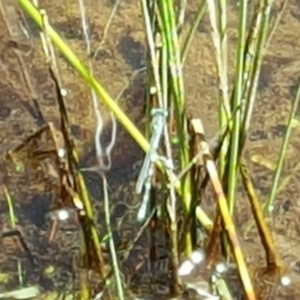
x=189, y=188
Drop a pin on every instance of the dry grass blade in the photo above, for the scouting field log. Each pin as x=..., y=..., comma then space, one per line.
x=272, y=257
x=266, y=278
x=29, y=142
x=21, y=240
x=224, y=211
x=88, y=217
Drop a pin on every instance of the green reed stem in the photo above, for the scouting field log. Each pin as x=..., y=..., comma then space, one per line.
x=171, y=39
x=270, y=202
x=112, y=247
x=13, y=220
x=238, y=87
x=171, y=201
x=11, y=211
x=189, y=38
x=149, y=25
x=251, y=53
x=253, y=62
x=219, y=37
x=224, y=100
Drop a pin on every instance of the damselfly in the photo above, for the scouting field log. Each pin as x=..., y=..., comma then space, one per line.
x=147, y=170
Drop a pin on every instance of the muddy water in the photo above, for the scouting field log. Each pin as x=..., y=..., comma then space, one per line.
x=121, y=54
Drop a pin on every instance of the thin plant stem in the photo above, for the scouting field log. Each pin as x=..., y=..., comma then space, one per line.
x=84, y=25
x=234, y=143
x=181, y=15
x=219, y=37
x=48, y=47
x=275, y=182
x=224, y=100
x=277, y=21
x=171, y=201
x=112, y=247
x=107, y=26
x=258, y=58
x=13, y=220
x=150, y=36
x=290, y=175
x=264, y=15
x=133, y=76
x=101, y=154
x=249, y=70
x=189, y=38
x=12, y=216
x=171, y=39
